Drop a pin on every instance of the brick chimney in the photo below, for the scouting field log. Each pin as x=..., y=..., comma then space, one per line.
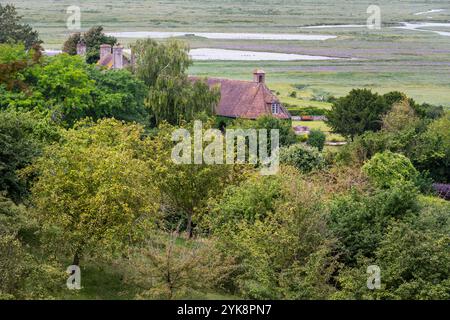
x=81, y=48
x=259, y=76
x=118, y=57
x=105, y=49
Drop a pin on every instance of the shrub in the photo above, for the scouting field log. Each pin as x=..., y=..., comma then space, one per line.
x=268, y=122
x=25, y=272
x=287, y=135
x=402, y=116
x=413, y=257
x=12, y=267
x=167, y=267
x=251, y=201
x=302, y=138
x=289, y=253
x=304, y=158
x=424, y=241
x=432, y=150
x=388, y=169
x=359, y=220
x=305, y=111
x=317, y=139
x=11, y=30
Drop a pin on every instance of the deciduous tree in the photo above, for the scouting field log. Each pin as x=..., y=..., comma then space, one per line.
x=172, y=97
x=95, y=187
x=12, y=31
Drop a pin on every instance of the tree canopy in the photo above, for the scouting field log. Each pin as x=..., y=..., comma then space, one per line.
x=358, y=112
x=12, y=31
x=95, y=186
x=172, y=96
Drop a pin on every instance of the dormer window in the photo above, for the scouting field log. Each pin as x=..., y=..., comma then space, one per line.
x=275, y=108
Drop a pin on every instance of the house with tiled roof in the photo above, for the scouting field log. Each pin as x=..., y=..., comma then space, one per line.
x=247, y=99
x=113, y=59
x=239, y=99
x=110, y=57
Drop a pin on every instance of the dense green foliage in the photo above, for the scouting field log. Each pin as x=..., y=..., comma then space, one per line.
x=119, y=95
x=172, y=97
x=67, y=89
x=432, y=152
x=287, y=135
x=251, y=201
x=362, y=111
x=388, y=169
x=88, y=177
x=298, y=262
x=267, y=122
x=104, y=158
x=424, y=141
x=359, y=220
x=316, y=138
x=12, y=31
x=357, y=112
x=25, y=275
x=16, y=67
x=186, y=188
x=22, y=137
x=302, y=157
x=413, y=254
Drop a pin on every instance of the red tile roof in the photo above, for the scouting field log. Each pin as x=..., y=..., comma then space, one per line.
x=108, y=61
x=245, y=99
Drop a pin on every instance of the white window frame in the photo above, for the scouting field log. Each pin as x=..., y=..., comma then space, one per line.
x=275, y=108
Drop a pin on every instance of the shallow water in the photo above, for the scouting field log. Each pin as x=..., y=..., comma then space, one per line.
x=222, y=36
x=203, y=54
x=206, y=54
x=420, y=25
x=429, y=11
x=334, y=26
x=52, y=52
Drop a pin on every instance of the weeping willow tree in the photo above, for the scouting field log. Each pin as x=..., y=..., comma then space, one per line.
x=172, y=96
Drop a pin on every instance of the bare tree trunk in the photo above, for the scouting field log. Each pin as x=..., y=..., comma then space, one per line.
x=189, y=226
x=77, y=257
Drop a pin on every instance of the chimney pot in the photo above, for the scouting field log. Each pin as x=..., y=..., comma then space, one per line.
x=259, y=76
x=118, y=57
x=81, y=48
x=105, y=49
